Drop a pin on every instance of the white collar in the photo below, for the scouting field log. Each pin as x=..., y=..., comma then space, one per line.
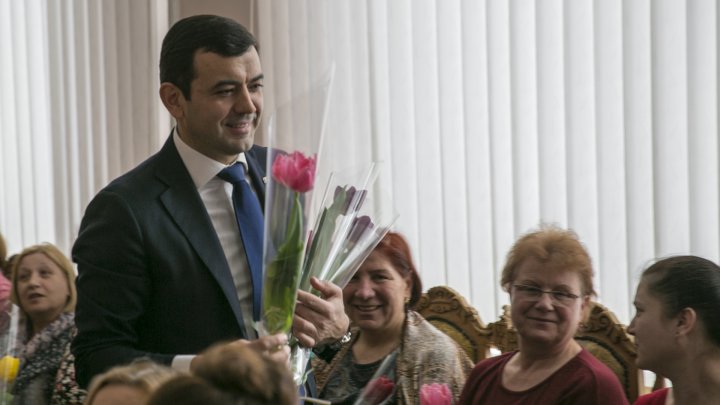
x=202, y=169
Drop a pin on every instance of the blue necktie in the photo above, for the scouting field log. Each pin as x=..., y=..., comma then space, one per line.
x=250, y=221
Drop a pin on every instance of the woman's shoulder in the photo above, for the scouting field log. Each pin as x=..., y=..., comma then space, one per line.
x=493, y=362
x=419, y=329
x=654, y=398
x=600, y=370
x=423, y=337
x=585, y=373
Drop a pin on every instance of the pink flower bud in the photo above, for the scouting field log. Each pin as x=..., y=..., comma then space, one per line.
x=295, y=171
x=378, y=390
x=435, y=394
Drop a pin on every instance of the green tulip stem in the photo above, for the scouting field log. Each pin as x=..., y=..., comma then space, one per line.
x=283, y=276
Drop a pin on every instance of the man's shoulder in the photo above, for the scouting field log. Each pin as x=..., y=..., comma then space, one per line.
x=136, y=179
x=147, y=175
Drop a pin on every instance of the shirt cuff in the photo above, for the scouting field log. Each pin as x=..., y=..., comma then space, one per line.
x=182, y=362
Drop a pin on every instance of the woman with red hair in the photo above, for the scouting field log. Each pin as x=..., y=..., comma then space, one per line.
x=379, y=301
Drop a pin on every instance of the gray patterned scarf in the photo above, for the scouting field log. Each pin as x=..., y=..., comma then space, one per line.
x=41, y=356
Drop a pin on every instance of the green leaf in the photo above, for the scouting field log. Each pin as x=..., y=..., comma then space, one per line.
x=322, y=241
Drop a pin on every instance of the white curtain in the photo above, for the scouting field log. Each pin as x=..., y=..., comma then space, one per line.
x=78, y=107
x=26, y=184
x=490, y=116
x=493, y=116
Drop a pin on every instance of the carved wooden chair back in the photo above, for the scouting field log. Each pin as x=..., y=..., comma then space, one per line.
x=448, y=311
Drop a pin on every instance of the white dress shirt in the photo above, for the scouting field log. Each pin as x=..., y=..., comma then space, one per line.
x=216, y=195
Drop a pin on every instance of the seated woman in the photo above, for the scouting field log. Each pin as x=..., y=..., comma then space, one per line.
x=43, y=286
x=378, y=301
x=677, y=329
x=131, y=384
x=225, y=375
x=548, y=276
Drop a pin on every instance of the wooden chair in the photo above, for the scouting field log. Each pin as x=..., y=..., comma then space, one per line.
x=601, y=334
x=448, y=311
x=607, y=339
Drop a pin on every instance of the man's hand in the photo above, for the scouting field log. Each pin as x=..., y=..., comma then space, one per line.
x=320, y=320
x=274, y=346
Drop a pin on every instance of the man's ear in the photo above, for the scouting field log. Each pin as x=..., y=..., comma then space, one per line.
x=173, y=99
x=685, y=321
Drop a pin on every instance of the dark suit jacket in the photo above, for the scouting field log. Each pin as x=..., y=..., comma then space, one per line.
x=153, y=279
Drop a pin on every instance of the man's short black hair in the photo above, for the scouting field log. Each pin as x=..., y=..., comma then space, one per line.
x=208, y=33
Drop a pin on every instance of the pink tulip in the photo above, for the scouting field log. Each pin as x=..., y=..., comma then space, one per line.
x=435, y=394
x=378, y=390
x=296, y=171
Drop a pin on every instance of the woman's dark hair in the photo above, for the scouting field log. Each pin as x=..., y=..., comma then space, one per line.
x=207, y=33
x=396, y=250
x=681, y=282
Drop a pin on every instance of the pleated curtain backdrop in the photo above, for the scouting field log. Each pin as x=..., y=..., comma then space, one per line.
x=493, y=116
x=26, y=155
x=489, y=115
x=78, y=107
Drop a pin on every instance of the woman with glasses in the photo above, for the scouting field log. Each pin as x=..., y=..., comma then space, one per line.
x=677, y=329
x=548, y=275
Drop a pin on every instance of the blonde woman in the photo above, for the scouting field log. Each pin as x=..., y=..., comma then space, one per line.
x=43, y=286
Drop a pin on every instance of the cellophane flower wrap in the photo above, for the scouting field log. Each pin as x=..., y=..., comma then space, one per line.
x=294, y=138
x=353, y=217
x=9, y=361
x=381, y=387
x=293, y=176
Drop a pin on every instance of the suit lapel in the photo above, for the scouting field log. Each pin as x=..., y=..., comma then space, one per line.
x=256, y=163
x=184, y=205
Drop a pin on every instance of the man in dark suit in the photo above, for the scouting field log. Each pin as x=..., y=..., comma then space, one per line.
x=162, y=269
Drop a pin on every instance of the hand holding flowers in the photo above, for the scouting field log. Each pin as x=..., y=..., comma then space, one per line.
x=317, y=320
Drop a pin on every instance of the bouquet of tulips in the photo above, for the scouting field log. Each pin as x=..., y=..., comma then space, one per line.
x=349, y=224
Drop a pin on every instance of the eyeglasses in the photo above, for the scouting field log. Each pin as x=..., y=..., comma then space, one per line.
x=530, y=292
